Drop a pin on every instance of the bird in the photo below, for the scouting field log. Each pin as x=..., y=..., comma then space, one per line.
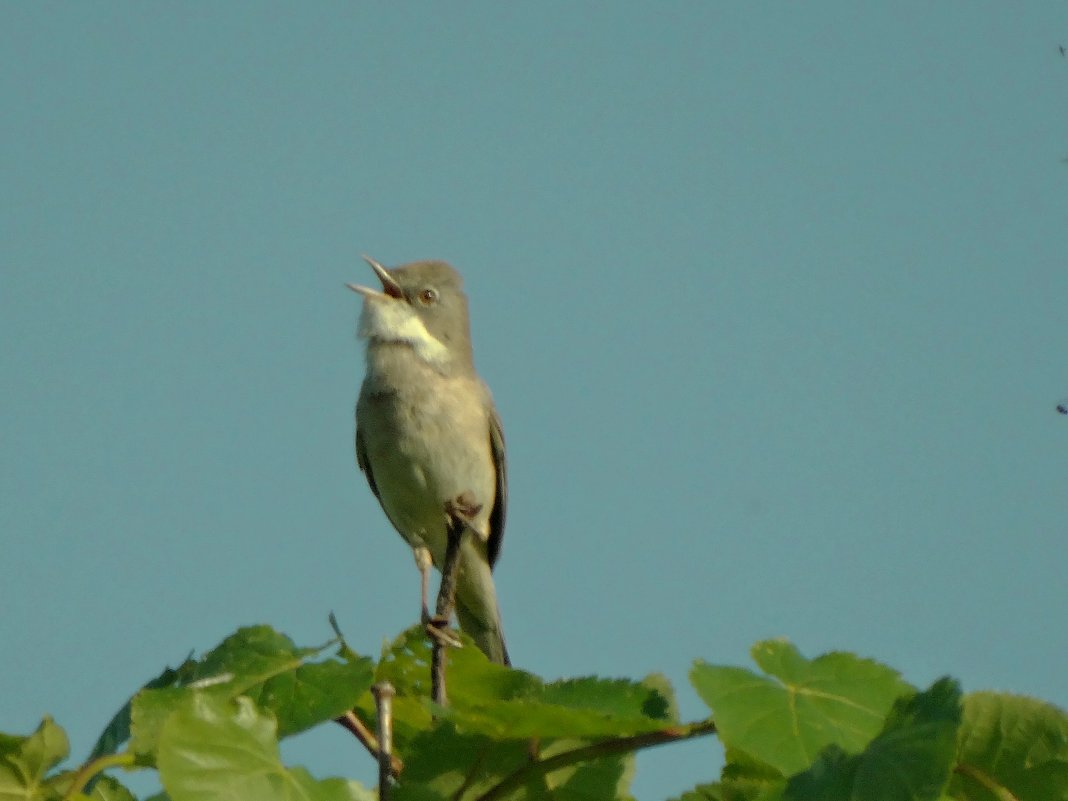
x=428, y=437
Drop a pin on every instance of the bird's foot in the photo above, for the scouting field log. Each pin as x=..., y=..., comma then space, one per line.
x=437, y=628
x=463, y=506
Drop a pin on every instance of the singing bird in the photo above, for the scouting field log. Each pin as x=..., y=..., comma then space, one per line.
x=428, y=438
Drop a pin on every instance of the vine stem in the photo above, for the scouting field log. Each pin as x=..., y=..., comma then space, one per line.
x=617, y=745
x=988, y=782
x=87, y=772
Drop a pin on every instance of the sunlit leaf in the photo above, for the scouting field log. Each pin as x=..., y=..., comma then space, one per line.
x=118, y=729
x=259, y=663
x=107, y=788
x=909, y=760
x=1012, y=746
x=25, y=761
x=211, y=749
x=504, y=703
x=736, y=790
x=785, y=718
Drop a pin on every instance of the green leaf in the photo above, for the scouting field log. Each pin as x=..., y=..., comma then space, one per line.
x=444, y=763
x=622, y=699
x=787, y=717
x=405, y=664
x=267, y=667
x=259, y=663
x=1011, y=744
x=108, y=789
x=502, y=723
x=702, y=792
x=909, y=760
x=532, y=717
x=215, y=749
x=440, y=762
x=25, y=761
x=118, y=729
x=738, y=790
x=662, y=704
x=505, y=703
x=747, y=779
x=605, y=778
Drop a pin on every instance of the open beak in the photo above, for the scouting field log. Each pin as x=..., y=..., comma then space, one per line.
x=389, y=286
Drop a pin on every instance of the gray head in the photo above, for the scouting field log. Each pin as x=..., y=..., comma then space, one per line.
x=421, y=305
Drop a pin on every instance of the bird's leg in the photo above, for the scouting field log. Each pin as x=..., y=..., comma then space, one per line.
x=458, y=513
x=437, y=625
x=423, y=561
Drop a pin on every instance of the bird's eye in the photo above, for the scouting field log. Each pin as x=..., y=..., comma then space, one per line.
x=429, y=296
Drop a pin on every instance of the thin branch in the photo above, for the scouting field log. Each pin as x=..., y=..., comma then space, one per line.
x=451, y=569
x=446, y=602
x=383, y=693
x=437, y=673
x=618, y=745
x=368, y=740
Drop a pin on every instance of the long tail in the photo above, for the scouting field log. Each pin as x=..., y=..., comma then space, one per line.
x=476, y=603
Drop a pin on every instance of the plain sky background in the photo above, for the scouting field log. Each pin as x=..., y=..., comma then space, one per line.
x=773, y=298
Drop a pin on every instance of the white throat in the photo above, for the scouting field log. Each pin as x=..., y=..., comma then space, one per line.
x=386, y=319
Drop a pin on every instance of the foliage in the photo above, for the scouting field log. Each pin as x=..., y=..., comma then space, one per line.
x=830, y=728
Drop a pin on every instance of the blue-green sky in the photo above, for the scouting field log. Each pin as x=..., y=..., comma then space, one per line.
x=773, y=298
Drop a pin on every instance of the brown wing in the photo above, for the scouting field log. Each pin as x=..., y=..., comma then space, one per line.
x=364, y=464
x=500, y=504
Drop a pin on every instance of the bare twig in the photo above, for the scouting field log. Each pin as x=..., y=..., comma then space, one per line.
x=384, y=692
x=367, y=739
x=446, y=602
x=450, y=570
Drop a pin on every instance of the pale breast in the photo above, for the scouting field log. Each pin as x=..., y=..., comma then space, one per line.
x=427, y=442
